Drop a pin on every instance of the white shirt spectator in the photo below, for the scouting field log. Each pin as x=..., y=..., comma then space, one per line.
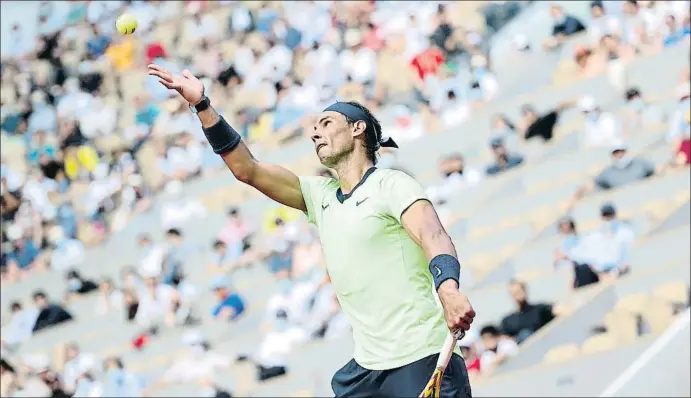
x=454, y=183
x=20, y=326
x=609, y=246
x=360, y=64
x=67, y=254
x=198, y=365
x=100, y=120
x=277, y=345
x=604, y=25
x=505, y=346
x=276, y=63
x=114, y=300
x=36, y=191
x=602, y=130
x=176, y=211
x=75, y=368
x=153, y=308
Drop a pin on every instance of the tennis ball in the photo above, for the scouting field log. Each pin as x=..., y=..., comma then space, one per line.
x=126, y=24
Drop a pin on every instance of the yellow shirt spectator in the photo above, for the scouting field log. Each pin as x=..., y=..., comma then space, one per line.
x=122, y=54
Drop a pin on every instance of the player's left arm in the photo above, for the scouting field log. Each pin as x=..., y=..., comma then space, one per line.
x=407, y=202
x=422, y=223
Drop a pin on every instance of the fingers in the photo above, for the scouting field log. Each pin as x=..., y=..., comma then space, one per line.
x=188, y=74
x=157, y=68
x=167, y=84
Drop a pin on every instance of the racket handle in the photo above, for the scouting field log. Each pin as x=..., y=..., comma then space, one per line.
x=446, y=351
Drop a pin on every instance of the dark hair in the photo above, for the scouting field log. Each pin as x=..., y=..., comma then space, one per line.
x=233, y=211
x=40, y=294
x=519, y=283
x=631, y=93
x=174, y=231
x=372, y=131
x=15, y=306
x=218, y=243
x=491, y=330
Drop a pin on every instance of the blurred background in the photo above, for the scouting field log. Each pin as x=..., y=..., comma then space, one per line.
x=553, y=138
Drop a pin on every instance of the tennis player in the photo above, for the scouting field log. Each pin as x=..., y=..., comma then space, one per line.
x=384, y=246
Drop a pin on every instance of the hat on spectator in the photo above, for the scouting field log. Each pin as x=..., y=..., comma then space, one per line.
x=87, y=363
x=15, y=232
x=587, y=104
x=608, y=210
x=620, y=146
x=219, y=282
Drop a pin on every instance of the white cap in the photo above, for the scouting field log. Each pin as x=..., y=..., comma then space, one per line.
x=87, y=363
x=587, y=104
x=15, y=232
x=620, y=146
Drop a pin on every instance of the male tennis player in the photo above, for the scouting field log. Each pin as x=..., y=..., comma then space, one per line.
x=383, y=242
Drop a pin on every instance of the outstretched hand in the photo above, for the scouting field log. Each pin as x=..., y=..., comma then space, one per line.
x=189, y=87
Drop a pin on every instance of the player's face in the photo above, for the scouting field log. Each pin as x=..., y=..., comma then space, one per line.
x=333, y=138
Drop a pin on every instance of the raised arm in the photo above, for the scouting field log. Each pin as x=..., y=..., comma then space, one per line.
x=276, y=182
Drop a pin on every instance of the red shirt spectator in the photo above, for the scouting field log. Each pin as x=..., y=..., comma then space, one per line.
x=685, y=148
x=155, y=50
x=428, y=62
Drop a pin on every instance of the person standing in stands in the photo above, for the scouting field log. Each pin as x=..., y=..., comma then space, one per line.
x=534, y=125
x=528, y=318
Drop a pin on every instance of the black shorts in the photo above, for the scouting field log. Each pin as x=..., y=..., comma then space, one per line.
x=353, y=380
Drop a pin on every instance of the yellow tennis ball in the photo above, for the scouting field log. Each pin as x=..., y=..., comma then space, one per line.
x=126, y=24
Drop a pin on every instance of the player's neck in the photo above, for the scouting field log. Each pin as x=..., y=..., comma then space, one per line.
x=350, y=173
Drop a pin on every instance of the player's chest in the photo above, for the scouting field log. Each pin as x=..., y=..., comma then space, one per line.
x=356, y=221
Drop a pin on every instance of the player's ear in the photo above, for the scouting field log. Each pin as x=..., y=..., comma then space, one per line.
x=359, y=128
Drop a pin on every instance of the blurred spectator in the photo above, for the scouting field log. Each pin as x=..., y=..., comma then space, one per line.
x=679, y=125
x=158, y=303
x=76, y=363
x=497, y=348
x=676, y=31
x=177, y=210
x=532, y=124
x=198, y=363
x=20, y=326
x=601, y=23
x=276, y=346
x=564, y=26
x=230, y=306
x=24, y=254
x=573, y=253
x=528, y=318
x=639, y=112
x=236, y=231
x=222, y=257
x=471, y=352
x=67, y=252
x=456, y=177
x=109, y=298
x=503, y=159
x=625, y=169
x=77, y=285
x=50, y=314
x=613, y=242
x=602, y=129
x=9, y=382
x=177, y=251
x=119, y=382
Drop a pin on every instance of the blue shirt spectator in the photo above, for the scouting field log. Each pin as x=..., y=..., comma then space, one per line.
x=24, y=254
x=230, y=305
x=503, y=160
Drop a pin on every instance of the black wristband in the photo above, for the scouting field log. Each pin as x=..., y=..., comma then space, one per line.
x=443, y=267
x=222, y=137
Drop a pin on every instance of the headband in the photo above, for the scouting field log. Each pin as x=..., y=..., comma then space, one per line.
x=355, y=113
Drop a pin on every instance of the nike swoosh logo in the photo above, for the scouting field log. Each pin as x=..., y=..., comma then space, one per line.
x=325, y=207
x=438, y=270
x=361, y=202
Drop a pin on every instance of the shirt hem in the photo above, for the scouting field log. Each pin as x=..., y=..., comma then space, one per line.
x=404, y=361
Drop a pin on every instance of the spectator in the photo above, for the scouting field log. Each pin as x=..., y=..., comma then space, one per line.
x=613, y=242
x=177, y=210
x=640, y=113
x=119, y=382
x=676, y=32
x=157, y=304
x=20, y=326
x=50, y=314
x=528, y=318
x=679, y=125
x=24, y=254
x=533, y=125
x=75, y=364
x=9, y=382
x=625, y=169
x=470, y=351
x=503, y=159
x=198, y=363
x=236, y=230
x=505, y=130
x=76, y=284
x=589, y=62
x=573, y=253
x=109, y=298
x=222, y=257
x=276, y=346
x=67, y=252
x=131, y=304
x=230, y=306
x=177, y=251
x=563, y=27
x=497, y=348
x=602, y=129
x=601, y=23
x=87, y=384
x=456, y=177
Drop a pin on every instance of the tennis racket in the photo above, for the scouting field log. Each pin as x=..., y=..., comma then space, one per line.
x=433, y=387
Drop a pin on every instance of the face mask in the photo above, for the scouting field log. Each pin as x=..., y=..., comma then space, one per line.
x=281, y=324
x=74, y=284
x=637, y=105
x=593, y=116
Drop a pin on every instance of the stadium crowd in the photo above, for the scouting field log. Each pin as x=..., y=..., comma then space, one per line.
x=88, y=143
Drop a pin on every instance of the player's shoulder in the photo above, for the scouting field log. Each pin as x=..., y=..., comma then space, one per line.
x=392, y=176
x=319, y=182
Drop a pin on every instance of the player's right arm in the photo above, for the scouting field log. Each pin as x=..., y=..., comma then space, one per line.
x=276, y=182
